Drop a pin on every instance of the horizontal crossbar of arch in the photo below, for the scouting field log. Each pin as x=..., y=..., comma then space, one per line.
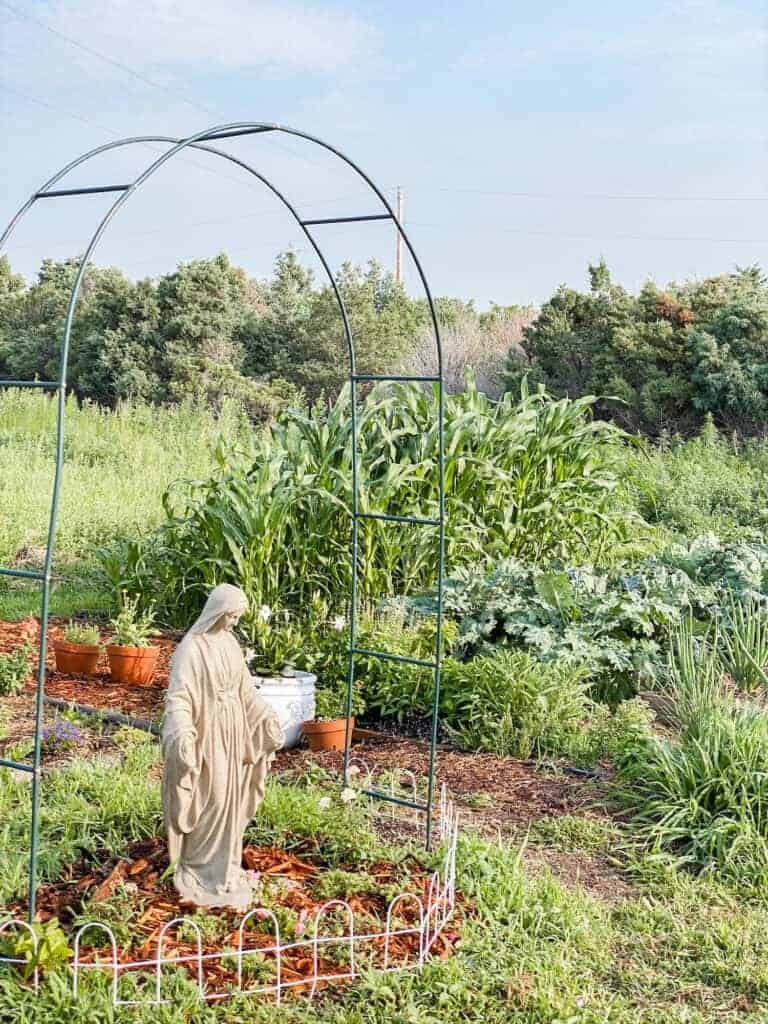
x=204, y=141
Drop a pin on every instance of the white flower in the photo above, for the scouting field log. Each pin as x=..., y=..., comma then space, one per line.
x=348, y=795
x=265, y=613
x=339, y=623
x=324, y=803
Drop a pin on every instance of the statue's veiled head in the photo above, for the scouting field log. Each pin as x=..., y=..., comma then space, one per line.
x=224, y=607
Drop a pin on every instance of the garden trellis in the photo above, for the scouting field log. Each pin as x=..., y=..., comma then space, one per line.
x=202, y=141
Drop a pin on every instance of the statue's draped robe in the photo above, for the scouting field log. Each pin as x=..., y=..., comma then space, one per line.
x=214, y=720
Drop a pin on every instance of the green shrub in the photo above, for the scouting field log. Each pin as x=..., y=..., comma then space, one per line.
x=510, y=703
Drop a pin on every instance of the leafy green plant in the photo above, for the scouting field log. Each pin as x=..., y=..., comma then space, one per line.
x=48, y=950
x=701, y=795
x=510, y=703
x=532, y=476
x=212, y=928
x=133, y=627
x=14, y=670
x=82, y=633
x=275, y=641
x=331, y=702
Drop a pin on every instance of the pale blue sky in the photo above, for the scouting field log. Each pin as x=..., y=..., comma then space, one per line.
x=590, y=110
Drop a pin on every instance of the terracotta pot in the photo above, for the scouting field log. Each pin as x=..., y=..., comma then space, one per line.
x=76, y=659
x=132, y=664
x=327, y=735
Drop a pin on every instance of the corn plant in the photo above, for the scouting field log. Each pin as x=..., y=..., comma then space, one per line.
x=532, y=478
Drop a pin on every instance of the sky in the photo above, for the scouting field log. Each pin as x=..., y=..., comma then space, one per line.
x=529, y=139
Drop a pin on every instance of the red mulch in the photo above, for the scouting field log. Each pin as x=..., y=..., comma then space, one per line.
x=85, y=885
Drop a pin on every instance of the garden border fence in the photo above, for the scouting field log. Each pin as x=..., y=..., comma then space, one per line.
x=201, y=142
x=432, y=917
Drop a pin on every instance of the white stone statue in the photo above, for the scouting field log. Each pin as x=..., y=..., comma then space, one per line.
x=219, y=738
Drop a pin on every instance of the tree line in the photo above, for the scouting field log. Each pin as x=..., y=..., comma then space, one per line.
x=659, y=361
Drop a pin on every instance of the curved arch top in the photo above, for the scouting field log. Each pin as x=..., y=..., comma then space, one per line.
x=202, y=141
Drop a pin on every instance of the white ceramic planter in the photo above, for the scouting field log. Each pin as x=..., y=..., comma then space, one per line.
x=293, y=698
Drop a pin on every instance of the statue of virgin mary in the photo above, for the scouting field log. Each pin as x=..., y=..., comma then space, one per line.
x=219, y=738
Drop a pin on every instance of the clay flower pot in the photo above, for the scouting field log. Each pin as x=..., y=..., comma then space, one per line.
x=76, y=659
x=327, y=735
x=132, y=664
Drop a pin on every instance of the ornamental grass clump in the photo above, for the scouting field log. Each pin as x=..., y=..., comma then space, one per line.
x=701, y=794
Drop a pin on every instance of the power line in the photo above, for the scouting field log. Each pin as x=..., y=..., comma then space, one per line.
x=137, y=75
x=590, y=196
x=24, y=15
x=184, y=159
x=192, y=224
x=595, y=237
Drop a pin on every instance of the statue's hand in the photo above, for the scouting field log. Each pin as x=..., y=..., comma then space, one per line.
x=187, y=754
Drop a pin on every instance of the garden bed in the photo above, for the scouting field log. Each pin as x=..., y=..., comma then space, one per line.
x=134, y=896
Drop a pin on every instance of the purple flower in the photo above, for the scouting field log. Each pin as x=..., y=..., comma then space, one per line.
x=62, y=735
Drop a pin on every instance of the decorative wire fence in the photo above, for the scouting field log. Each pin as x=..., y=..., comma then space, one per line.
x=356, y=950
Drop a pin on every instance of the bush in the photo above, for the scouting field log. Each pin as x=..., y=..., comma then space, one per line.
x=509, y=703
x=617, y=624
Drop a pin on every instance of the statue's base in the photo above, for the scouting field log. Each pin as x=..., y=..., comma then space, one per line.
x=239, y=896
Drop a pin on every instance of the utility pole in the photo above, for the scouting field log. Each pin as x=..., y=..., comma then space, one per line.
x=399, y=239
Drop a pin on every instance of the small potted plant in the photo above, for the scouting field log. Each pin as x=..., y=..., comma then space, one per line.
x=275, y=649
x=132, y=658
x=78, y=653
x=328, y=730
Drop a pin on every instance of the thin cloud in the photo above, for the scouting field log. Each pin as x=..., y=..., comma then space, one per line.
x=224, y=35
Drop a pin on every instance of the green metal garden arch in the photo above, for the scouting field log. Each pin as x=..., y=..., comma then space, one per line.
x=201, y=141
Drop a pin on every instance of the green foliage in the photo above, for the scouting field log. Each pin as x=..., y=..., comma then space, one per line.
x=617, y=624
x=535, y=477
x=612, y=624
x=707, y=484
x=14, y=670
x=116, y=467
x=294, y=819
x=662, y=359
x=132, y=627
x=48, y=950
x=82, y=633
x=331, y=703
x=86, y=806
x=576, y=832
x=509, y=703
x=701, y=795
x=275, y=641
x=744, y=649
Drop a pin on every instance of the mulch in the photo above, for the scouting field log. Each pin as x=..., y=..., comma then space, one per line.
x=85, y=886
x=98, y=691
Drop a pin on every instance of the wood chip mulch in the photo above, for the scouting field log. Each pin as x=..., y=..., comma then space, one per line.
x=290, y=879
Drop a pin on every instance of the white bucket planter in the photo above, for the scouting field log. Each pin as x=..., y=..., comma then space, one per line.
x=293, y=698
